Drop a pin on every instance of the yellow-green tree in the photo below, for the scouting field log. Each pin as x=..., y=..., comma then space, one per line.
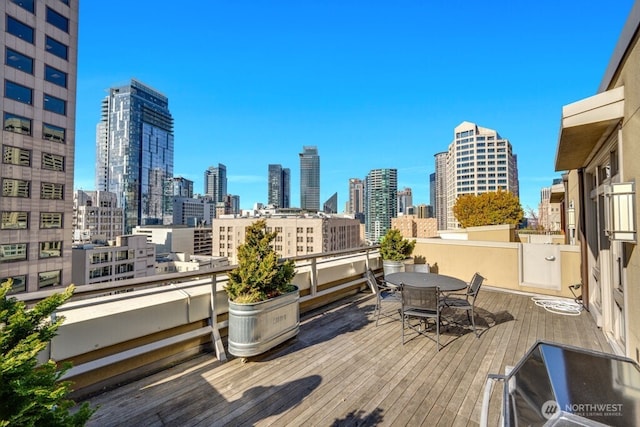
x=493, y=208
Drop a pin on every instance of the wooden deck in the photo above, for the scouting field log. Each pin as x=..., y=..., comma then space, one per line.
x=343, y=370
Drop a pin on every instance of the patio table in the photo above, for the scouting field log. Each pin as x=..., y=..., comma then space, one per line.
x=445, y=283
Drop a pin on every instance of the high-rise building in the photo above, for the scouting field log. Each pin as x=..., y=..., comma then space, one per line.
x=440, y=203
x=405, y=200
x=38, y=112
x=479, y=160
x=432, y=189
x=215, y=182
x=331, y=205
x=310, y=179
x=134, y=152
x=356, y=196
x=279, y=186
x=381, y=204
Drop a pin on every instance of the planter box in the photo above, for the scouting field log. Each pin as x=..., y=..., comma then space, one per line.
x=389, y=266
x=258, y=327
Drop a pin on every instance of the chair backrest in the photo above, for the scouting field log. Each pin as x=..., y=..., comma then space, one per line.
x=373, y=283
x=474, y=285
x=423, y=298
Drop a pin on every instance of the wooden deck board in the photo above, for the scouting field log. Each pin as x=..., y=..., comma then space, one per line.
x=343, y=369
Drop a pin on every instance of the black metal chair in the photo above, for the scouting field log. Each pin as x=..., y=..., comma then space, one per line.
x=422, y=303
x=466, y=301
x=385, y=294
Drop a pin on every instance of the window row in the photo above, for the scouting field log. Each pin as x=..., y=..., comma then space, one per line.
x=22, y=125
x=10, y=252
x=45, y=279
x=22, y=157
x=54, y=18
x=19, y=220
x=22, y=188
x=27, y=33
x=24, y=94
x=24, y=63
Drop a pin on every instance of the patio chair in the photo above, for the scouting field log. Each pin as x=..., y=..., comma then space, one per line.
x=423, y=303
x=466, y=301
x=385, y=294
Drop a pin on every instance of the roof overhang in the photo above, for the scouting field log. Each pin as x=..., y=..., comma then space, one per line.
x=584, y=124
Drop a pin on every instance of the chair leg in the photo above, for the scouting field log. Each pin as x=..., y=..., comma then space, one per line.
x=438, y=333
x=473, y=322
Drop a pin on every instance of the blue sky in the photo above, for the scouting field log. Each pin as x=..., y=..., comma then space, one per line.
x=372, y=84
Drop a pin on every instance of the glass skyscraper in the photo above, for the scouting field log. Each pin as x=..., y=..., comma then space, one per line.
x=215, y=182
x=310, y=179
x=381, y=202
x=134, y=145
x=278, y=192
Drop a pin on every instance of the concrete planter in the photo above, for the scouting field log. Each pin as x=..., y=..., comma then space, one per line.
x=389, y=266
x=257, y=327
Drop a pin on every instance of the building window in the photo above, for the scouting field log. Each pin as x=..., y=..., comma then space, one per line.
x=14, y=220
x=51, y=191
x=53, y=133
x=13, y=252
x=19, y=61
x=15, y=188
x=16, y=156
x=20, y=30
x=16, y=124
x=53, y=162
x=49, y=278
x=55, y=76
x=57, y=20
x=50, y=220
x=18, y=92
x=50, y=249
x=309, y=229
x=19, y=283
x=55, y=47
x=25, y=4
x=55, y=105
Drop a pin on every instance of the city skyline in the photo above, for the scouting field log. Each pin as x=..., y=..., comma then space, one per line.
x=380, y=89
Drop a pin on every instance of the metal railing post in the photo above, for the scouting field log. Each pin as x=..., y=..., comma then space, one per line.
x=213, y=322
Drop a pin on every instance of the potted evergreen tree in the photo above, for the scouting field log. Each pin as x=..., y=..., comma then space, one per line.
x=394, y=250
x=263, y=304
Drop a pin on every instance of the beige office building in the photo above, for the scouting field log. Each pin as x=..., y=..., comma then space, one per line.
x=296, y=235
x=39, y=44
x=412, y=226
x=96, y=216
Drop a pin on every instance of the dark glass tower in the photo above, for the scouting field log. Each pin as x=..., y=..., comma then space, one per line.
x=279, y=186
x=135, y=152
x=310, y=179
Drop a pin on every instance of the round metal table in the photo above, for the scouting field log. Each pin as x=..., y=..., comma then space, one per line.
x=445, y=283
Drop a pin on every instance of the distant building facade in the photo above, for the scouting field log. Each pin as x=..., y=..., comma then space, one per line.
x=168, y=239
x=134, y=152
x=193, y=212
x=279, y=186
x=411, y=226
x=180, y=187
x=405, y=201
x=96, y=216
x=131, y=257
x=550, y=207
x=215, y=182
x=297, y=235
x=381, y=204
x=310, y=179
x=440, y=202
x=38, y=107
x=355, y=205
x=479, y=160
x=331, y=205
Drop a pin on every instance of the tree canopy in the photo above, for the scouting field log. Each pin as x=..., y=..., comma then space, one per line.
x=493, y=208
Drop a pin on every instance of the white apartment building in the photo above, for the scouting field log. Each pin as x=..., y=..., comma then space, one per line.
x=297, y=235
x=96, y=216
x=130, y=257
x=479, y=161
x=168, y=239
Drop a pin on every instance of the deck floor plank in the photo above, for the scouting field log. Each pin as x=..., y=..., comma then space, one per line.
x=343, y=370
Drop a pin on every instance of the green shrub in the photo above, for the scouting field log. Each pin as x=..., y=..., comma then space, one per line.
x=394, y=247
x=259, y=274
x=32, y=394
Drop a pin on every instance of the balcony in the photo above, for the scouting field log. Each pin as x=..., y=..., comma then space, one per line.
x=149, y=353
